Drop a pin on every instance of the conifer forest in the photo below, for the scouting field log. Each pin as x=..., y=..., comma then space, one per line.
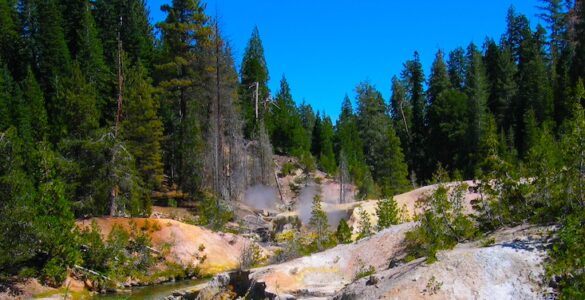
x=134, y=153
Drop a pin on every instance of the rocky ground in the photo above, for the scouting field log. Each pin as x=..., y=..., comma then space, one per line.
x=510, y=268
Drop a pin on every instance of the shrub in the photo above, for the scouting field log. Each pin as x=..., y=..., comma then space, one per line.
x=442, y=224
x=288, y=168
x=343, y=232
x=363, y=270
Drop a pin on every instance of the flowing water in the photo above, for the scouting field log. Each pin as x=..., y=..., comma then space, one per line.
x=153, y=292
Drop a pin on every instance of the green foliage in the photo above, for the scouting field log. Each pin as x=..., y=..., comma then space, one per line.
x=213, y=212
x=343, y=232
x=254, y=69
x=363, y=271
x=442, y=224
x=387, y=212
x=284, y=124
x=364, y=225
x=319, y=222
x=185, y=26
x=382, y=150
x=141, y=128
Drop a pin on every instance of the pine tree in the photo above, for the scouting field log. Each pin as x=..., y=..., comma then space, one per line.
x=254, y=70
x=439, y=78
x=77, y=111
x=343, y=232
x=448, y=123
x=351, y=147
x=365, y=225
x=387, y=212
x=6, y=91
x=383, y=153
x=500, y=71
x=129, y=19
x=141, y=128
x=90, y=55
x=414, y=77
x=11, y=43
x=49, y=49
x=284, y=123
x=401, y=113
x=319, y=222
x=33, y=95
x=308, y=118
x=477, y=92
x=457, y=67
x=578, y=65
x=184, y=27
x=327, y=156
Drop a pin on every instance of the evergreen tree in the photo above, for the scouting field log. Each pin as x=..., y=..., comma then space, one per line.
x=52, y=61
x=77, y=110
x=319, y=222
x=253, y=70
x=343, y=232
x=457, y=68
x=6, y=91
x=33, y=95
x=308, y=118
x=500, y=71
x=414, y=77
x=448, y=122
x=365, y=225
x=285, y=125
x=327, y=156
x=351, y=147
x=141, y=128
x=477, y=92
x=184, y=27
x=11, y=43
x=90, y=55
x=129, y=20
x=439, y=78
x=578, y=65
x=534, y=90
x=401, y=113
x=381, y=145
x=387, y=211
x=316, y=136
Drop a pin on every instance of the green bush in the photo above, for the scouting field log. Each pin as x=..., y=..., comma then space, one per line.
x=442, y=224
x=363, y=270
x=288, y=168
x=343, y=233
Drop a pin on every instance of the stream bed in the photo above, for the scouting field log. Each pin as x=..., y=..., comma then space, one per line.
x=153, y=292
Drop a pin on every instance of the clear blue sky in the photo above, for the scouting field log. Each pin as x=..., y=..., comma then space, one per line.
x=326, y=47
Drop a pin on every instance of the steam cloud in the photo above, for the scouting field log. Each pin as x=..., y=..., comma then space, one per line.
x=305, y=206
x=261, y=197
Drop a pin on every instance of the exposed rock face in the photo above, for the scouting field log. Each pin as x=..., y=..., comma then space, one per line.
x=510, y=269
x=323, y=274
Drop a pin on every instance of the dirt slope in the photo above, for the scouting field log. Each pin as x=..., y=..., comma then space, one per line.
x=407, y=202
x=222, y=249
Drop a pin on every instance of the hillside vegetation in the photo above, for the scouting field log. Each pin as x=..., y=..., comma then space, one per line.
x=104, y=115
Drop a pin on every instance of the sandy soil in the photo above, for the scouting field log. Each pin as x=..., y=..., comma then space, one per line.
x=223, y=250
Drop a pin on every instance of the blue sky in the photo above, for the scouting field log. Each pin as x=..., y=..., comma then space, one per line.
x=326, y=47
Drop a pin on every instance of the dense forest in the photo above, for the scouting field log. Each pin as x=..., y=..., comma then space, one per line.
x=100, y=111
